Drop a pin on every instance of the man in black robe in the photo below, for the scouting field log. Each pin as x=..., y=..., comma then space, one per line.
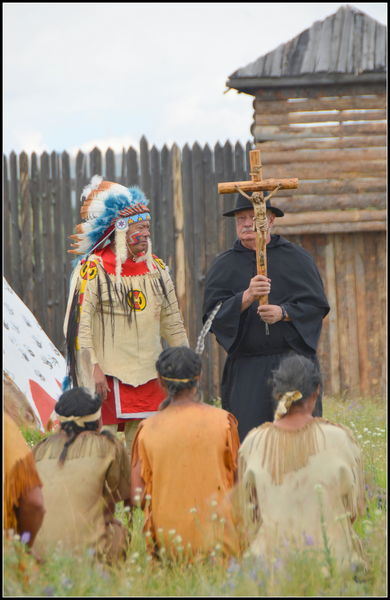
x=297, y=305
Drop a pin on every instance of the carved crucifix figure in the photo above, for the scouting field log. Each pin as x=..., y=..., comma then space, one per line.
x=257, y=186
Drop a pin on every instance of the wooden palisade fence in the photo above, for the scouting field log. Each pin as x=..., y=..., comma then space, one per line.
x=41, y=207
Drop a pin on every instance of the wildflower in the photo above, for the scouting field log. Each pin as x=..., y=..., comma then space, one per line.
x=138, y=569
x=135, y=555
x=48, y=591
x=214, y=503
x=212, y=554
x=214, y=517
x=233, y=567
x=67, y=583
x=172, y=532
x=178, y=539
x=222, y=520
x=138, y=489
x=148, y=534
x=25, y=537
x=180, y=548
x=193, y=510
x=148, y=497
x=318, y=488
x=137, y=498
x=218, y=547
x=278, y=563
x=126, y=509
x=309, y=540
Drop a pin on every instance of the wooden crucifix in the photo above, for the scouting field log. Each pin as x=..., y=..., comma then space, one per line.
x=257, y=186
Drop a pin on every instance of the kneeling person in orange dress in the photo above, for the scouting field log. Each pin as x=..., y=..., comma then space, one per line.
x=184, y=463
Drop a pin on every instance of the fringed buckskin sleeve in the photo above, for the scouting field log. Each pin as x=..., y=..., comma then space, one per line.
x=232, y=446
x=171, y=320
x=20, y=473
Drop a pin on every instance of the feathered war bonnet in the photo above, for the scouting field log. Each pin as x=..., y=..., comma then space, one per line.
x=107, y=207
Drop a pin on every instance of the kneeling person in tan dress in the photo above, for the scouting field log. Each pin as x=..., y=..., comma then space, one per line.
x=300, y=477
x=84, y=472
x=184, y=463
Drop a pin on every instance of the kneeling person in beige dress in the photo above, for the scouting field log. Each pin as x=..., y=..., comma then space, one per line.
x=301, y=478
x=84, y=472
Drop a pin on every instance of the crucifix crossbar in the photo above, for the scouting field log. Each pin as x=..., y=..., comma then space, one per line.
x=257, y=186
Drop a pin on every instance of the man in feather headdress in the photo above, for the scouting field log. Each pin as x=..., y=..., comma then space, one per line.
x=122, y=301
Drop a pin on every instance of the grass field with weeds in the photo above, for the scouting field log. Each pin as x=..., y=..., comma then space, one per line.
x=303, y=574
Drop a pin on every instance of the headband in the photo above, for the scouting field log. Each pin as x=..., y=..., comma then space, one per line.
x=180, y=380
x=80, y=420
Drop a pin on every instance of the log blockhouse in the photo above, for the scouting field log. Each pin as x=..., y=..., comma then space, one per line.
x=320, y=115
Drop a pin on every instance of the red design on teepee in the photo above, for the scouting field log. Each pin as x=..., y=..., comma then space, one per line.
x=42, y=400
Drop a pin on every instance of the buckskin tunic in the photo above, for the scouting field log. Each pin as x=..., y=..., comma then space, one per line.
x=120, y=328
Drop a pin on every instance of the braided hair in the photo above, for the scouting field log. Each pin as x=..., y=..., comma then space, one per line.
x=77, y=402
x=296, y=372
x=179, y=369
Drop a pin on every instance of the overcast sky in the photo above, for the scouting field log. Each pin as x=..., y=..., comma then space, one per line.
x=78, y=75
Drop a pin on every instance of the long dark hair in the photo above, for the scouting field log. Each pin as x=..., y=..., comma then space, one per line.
x=178, y=363
x=77, y=402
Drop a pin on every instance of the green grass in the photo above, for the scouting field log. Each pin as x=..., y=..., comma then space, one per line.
x=304, y=574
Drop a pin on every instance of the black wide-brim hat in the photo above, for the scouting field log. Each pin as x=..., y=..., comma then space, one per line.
x=243, y=203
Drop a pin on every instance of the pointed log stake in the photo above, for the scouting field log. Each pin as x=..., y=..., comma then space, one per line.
x=257, y=185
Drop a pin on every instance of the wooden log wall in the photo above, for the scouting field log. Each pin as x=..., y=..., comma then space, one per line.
x=333, y=138
x=41, y=208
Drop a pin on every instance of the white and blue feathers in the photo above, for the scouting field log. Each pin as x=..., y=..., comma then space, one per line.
x=100, y=212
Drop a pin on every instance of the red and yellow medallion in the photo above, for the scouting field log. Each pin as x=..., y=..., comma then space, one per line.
x=136, y=299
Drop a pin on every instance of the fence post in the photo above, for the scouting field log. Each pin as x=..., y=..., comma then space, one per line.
x=26, y=264
x=178, y=215
x=132, y=175
x=166, y=220
x=110, y=165
x=81, y=178
x=15, y=229
x=95, y=163
x=145, y=166
x=69, y=217
x=155, y=202
x=36, y=205
x=7, y=224
x=189, y=242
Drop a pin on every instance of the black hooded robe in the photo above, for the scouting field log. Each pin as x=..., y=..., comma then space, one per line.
x=252, y=355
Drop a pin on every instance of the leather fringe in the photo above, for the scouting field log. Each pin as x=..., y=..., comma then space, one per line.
x=87, y=443
x=22, y=478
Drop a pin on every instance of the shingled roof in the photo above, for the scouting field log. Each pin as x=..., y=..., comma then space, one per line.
x=346, y=47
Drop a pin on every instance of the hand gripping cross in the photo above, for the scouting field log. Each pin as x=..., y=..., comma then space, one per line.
x=257, y=186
